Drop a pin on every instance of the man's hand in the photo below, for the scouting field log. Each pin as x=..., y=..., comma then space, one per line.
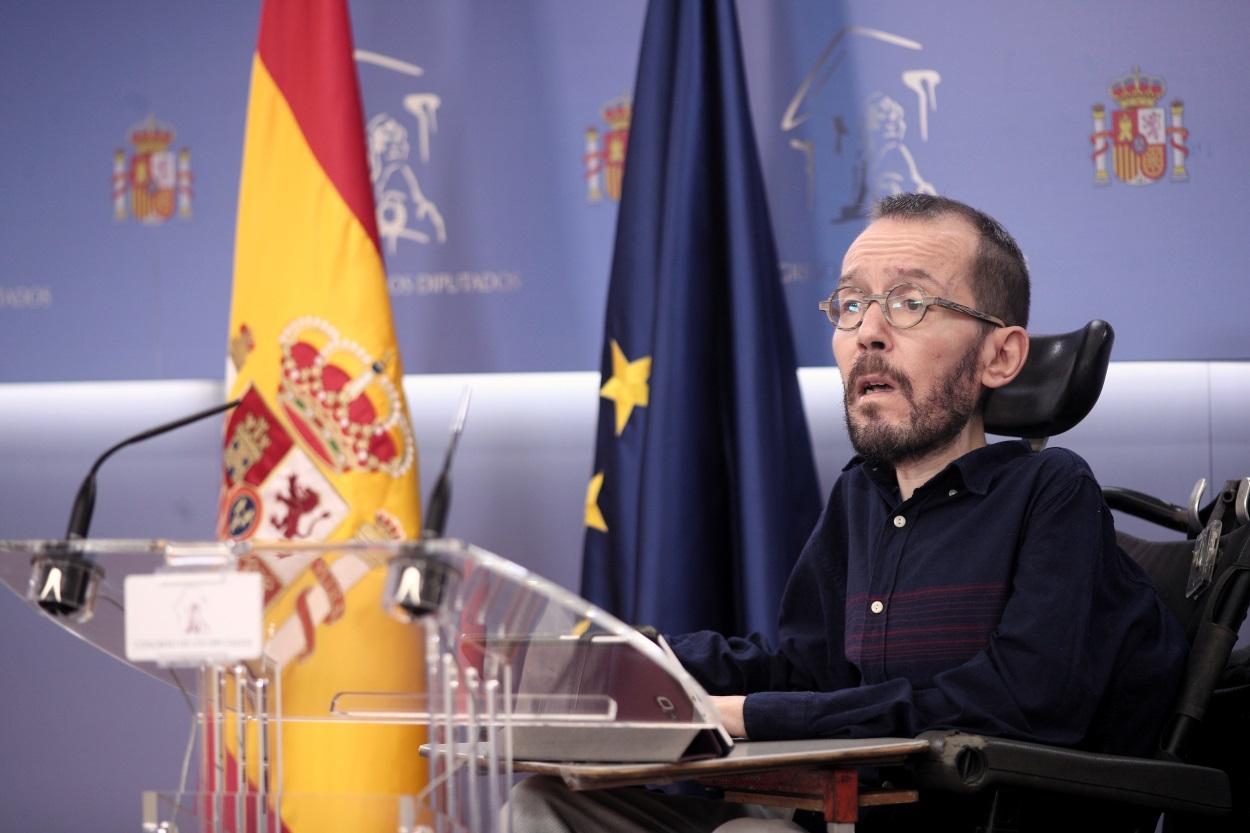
x=730, y=710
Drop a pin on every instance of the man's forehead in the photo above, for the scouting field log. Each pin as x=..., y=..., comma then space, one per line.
x=930, y=252
x=900, y=274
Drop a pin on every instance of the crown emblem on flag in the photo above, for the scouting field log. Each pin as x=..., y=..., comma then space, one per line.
x=341, y=402
x=1137, y=90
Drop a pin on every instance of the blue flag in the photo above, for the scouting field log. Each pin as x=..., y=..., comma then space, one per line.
x=703, y=489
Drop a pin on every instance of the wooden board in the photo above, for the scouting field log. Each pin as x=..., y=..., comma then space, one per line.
x=746, y=756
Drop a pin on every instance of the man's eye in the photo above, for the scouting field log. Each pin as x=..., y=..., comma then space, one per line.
x=851, y=307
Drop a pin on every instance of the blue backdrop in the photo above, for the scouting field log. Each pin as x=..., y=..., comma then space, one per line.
x=985, y=101
x=497, y=129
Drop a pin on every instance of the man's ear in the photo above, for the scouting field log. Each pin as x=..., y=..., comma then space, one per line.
x=1004, y=352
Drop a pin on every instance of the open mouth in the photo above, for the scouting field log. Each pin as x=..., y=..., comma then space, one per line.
x=870, y=386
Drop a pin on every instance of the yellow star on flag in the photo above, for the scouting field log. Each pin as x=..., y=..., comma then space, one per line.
x=594, y=518
x=628, y=386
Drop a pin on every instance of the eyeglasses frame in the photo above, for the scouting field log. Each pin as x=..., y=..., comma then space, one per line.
x=826, y=306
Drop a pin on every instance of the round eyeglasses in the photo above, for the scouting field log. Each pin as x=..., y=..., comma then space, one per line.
x=904, y=307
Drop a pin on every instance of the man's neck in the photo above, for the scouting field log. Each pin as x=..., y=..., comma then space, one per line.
x=914, y=473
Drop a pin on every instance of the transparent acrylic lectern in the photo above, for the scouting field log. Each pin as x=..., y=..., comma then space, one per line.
x=515, y=668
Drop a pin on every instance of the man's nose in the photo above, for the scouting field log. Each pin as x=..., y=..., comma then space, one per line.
x=874, y=331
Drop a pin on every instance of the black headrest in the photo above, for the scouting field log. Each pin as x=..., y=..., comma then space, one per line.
x=1058, y=386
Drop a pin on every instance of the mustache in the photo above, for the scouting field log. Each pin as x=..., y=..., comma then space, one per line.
x=874, y=364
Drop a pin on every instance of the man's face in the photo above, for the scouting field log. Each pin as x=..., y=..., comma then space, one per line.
x=910, y=392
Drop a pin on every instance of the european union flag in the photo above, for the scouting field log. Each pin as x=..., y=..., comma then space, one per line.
x=704, y=489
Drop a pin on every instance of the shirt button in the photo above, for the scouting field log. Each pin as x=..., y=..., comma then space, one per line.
x=876, y=607
x=900, y=521
x=952, y=493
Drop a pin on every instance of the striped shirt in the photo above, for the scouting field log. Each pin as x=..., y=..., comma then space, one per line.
x=994, y=600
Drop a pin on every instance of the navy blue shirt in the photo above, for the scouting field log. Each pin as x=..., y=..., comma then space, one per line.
x=994, y=600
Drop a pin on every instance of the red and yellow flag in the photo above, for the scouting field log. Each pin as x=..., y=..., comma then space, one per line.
x=321, y=447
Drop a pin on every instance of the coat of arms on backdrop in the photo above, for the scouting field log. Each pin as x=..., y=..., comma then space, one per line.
x=156, y=180
x=604, y=158
x=1140, y=136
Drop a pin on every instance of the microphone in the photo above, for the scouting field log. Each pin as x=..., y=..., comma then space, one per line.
x=440, y=497
x=84, y=501
x=63, y=582
x=418, y=578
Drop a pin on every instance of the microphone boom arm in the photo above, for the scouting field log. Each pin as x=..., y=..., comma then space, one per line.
x=84, y=501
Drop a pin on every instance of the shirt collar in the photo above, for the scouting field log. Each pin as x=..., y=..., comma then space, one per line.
x=977, y=469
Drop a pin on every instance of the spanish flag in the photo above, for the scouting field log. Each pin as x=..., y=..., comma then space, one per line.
x=321, y=446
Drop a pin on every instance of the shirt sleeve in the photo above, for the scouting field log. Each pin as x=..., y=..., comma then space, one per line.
x=731, y=665
x=806, y=657
x=1042, y=674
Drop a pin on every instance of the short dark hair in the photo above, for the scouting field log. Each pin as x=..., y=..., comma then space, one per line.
x=1000, y=277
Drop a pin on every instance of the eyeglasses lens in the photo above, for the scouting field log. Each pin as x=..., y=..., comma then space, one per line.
x=904, y=306
x=847, y=307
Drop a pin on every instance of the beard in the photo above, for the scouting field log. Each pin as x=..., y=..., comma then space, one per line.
x=933, y=423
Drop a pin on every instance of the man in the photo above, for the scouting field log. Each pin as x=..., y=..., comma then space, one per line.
x=949, y=583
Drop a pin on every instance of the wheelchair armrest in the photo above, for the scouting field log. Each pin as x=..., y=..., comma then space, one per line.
x=963, y=763
x=1147, y=507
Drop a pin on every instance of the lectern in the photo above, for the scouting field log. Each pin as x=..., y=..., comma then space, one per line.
x=515, y=668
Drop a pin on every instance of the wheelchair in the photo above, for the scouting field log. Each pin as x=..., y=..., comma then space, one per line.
x=1199, y=778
